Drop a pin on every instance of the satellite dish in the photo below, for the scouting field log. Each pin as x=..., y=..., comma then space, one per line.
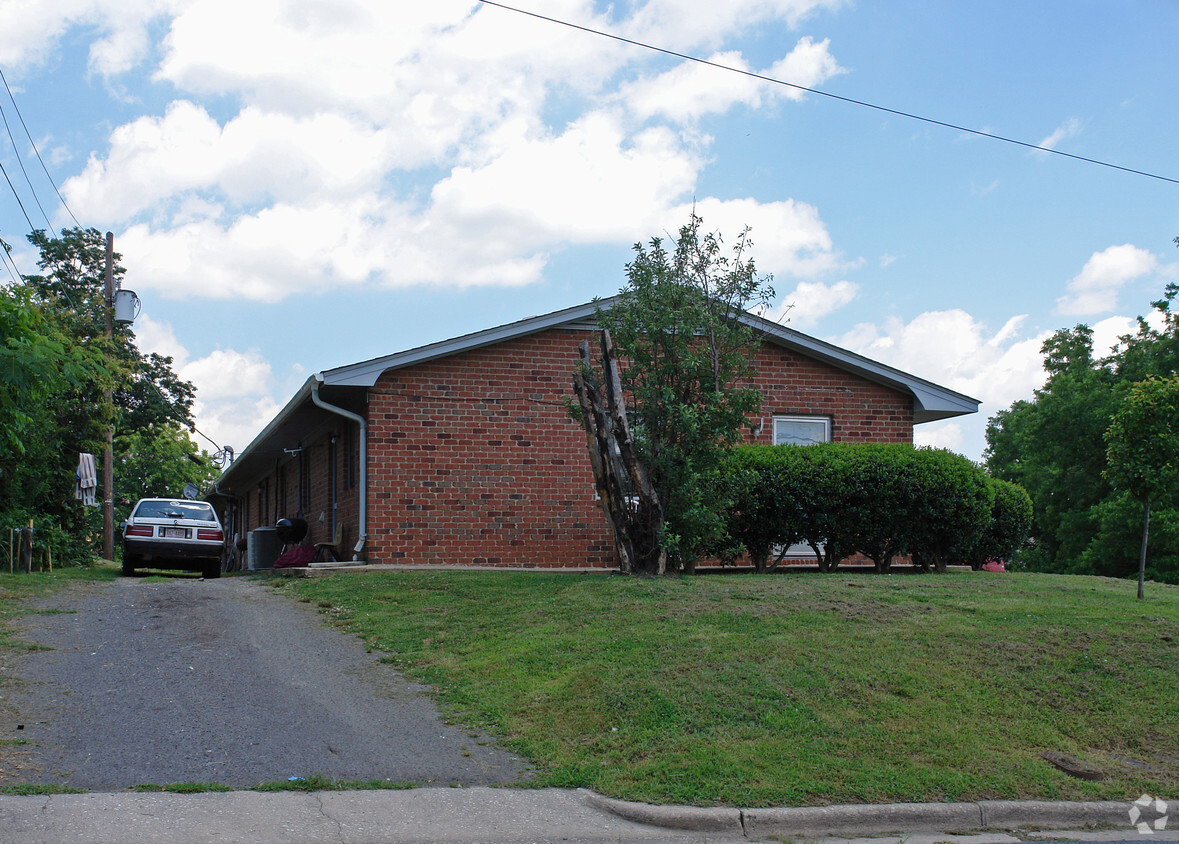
x=191, y=491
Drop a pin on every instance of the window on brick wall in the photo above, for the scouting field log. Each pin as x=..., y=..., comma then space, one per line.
x=801, y=430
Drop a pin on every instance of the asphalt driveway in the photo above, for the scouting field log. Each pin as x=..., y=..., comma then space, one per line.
x=222, y=681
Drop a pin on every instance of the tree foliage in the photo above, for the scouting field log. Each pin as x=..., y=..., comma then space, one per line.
x=58, y=366
x=1054, y=446
x=1143, y=452
x=686, y=382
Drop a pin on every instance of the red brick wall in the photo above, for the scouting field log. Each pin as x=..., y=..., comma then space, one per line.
x=473, y=459
x=859, y=410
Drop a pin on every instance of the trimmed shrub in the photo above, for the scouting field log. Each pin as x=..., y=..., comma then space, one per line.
x=952, y=508
x=1008, y=526
x=881, y=500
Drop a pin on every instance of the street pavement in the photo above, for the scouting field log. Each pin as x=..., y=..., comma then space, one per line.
x=484, y=814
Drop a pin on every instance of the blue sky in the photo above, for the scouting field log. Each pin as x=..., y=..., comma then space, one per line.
x=299, y=185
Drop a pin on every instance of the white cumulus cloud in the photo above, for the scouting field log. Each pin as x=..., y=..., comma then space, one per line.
x=943, y=434
x=810, y=301
x=789, y=238
x=227, y=373
x=1095, y=289
x=953, y=349
x=680, y=24
x=234, y=389
x=691, y=90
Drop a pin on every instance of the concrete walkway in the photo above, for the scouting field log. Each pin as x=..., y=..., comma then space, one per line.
x=507, y=815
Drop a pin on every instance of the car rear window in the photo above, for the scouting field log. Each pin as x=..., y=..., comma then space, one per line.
x=197, y=510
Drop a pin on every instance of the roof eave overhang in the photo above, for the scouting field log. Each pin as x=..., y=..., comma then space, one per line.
x=931, y=402
x=366, y=373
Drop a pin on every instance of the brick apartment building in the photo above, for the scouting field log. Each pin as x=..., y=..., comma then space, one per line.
x=462, y=452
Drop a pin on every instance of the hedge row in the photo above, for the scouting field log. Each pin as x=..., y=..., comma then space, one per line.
x=883, y=501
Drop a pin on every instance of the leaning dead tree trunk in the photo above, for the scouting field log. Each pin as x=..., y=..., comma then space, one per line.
x=628, y=497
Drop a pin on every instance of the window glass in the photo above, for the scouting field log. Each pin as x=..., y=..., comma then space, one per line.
x=801, y=430
x=198, y=510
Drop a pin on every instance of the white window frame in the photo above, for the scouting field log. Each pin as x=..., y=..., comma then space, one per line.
x=824, y=420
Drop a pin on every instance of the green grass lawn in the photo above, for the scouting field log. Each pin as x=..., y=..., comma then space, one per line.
x=794, y=689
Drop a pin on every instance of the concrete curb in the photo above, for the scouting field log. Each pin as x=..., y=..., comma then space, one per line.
x=820, y=821
x=692, y=818
x=1021, y=814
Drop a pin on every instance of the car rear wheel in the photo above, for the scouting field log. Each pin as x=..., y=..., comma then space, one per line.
x=212, y=568
x=129, y=564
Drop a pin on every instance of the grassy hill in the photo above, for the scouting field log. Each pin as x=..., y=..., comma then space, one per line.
x=793, y=689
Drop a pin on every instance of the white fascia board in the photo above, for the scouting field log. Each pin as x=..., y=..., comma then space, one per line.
x=931, y=401
x=366, y=373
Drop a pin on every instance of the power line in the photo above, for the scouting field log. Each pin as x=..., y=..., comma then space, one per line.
x=33, y=144
x=17, y=195
x=12, y=270
x=168, y=404
x=861, y=103
x=20, y=161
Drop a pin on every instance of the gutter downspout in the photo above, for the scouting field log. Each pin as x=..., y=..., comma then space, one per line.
x=359, y=420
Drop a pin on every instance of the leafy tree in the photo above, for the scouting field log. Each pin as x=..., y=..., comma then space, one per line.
x=1054, y=446
x=37, y=361
x=43, y=370
x=1143, y=449
x=72, y=283
x=687, y=385
x=1118, y=540
x=158, y=461
x=59, y=365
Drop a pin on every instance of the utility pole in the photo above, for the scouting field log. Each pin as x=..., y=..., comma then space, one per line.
x=108, y=456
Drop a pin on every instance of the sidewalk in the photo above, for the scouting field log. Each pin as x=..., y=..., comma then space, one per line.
x=504, y=815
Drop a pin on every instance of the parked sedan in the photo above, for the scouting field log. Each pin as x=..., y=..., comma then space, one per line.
x=168, y=533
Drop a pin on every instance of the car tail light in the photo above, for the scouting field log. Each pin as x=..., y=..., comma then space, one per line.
x=139, y=530
x=210, y=535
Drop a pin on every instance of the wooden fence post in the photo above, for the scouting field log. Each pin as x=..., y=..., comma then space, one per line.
x=26, y=547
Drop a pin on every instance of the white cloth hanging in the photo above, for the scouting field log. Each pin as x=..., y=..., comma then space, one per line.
x=87, y=487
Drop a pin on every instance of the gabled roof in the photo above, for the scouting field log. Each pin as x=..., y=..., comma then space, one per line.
x=931, y=401
x=366, y=373
x=299, y=418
